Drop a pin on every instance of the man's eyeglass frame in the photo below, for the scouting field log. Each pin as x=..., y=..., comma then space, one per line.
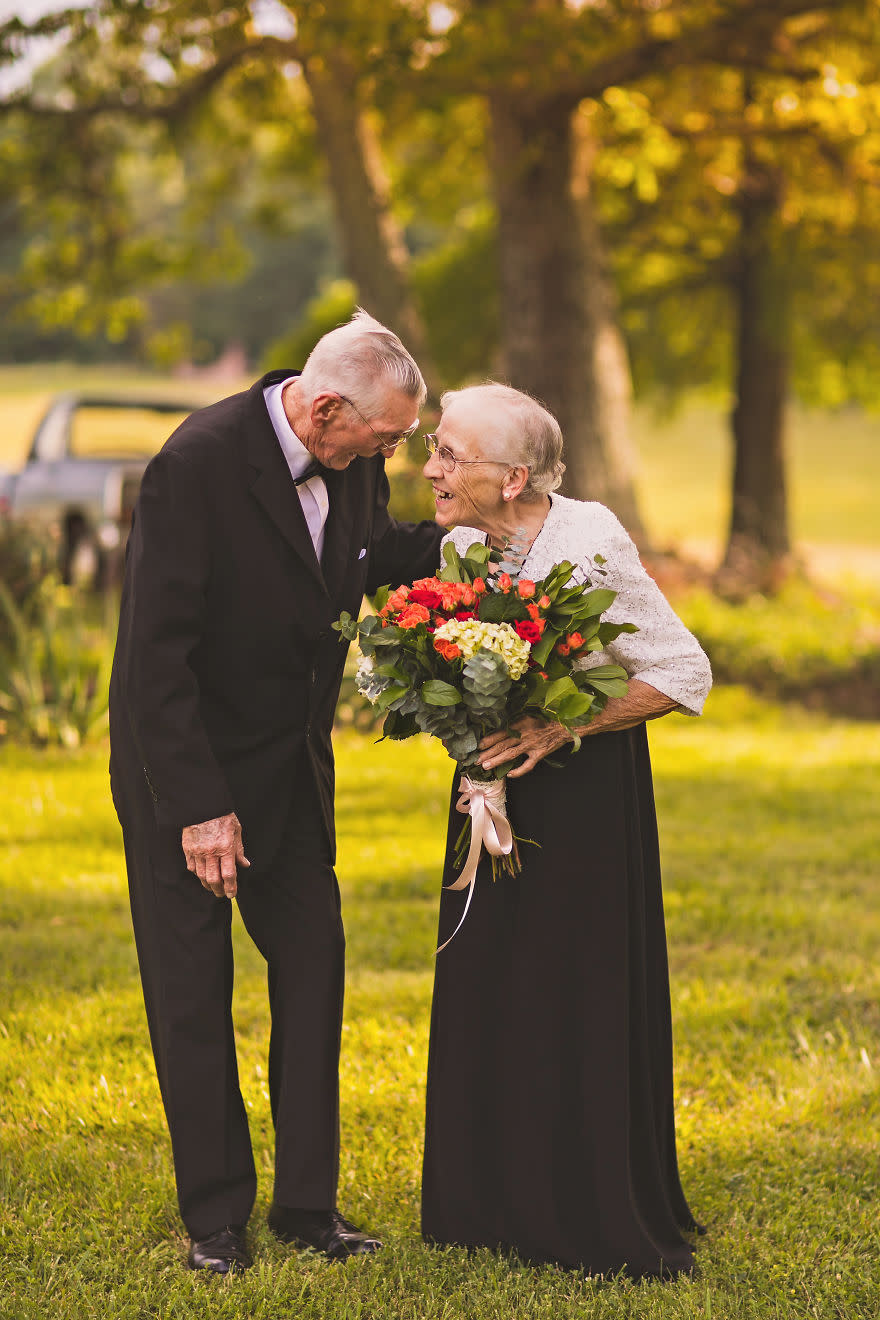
x=385, y=441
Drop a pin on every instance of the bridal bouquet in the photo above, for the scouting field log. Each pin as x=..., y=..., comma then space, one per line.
x=470, y=651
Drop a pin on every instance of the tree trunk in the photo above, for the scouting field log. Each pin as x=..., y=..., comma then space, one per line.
x=758, y=551
x=374, y=253
x=557, y=341
x=606, y=347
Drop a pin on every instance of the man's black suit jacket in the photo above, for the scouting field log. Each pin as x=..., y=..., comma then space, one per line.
x=226, y=665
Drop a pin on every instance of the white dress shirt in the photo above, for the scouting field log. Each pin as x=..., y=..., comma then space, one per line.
x=312, y=493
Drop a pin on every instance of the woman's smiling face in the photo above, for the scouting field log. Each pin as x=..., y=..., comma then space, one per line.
x=470, y=495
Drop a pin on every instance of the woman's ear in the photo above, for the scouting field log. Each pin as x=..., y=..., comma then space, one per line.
x=514, y=482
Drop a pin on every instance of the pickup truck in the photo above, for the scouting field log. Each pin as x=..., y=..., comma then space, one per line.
x=80, y=480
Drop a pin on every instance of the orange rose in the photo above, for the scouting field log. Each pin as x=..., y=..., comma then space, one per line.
x=575, y=641
x=533, y=612
x=467, y=594
x=562, y=649
x=479, y=586
x=504, y=582
x=448, y=650
x=412, y=616
x=526, y=588
x=544, y=602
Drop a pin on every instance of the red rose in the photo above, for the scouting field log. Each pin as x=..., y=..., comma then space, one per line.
x=423, y=596
x=461, y=615
x=528, y=630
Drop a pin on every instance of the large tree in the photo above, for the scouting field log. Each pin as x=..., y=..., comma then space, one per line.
x=534, y=62
x=755, y=261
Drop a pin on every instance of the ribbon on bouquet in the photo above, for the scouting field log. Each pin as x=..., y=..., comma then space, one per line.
x=483, y=801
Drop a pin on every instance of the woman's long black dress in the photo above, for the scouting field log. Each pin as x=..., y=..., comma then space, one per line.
x=550, y=1126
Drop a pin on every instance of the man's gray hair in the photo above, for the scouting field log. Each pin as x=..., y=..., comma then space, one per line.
x=361, y=359
x=528, y=432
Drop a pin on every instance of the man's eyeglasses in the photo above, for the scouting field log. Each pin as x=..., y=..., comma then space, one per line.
x=385, y=441
x=449, y=462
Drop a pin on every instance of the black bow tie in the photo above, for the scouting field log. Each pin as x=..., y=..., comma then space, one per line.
x=313, y=470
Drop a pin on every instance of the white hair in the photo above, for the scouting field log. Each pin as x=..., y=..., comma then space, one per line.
x=360, y=360
x=527, y=431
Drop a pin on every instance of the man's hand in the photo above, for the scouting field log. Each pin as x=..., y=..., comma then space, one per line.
x=213, y=851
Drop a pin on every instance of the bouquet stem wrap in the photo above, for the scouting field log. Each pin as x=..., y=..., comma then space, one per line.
x=484, y=801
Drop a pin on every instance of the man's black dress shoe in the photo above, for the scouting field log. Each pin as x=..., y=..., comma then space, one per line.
x=222, y=1252
x=323, y=1230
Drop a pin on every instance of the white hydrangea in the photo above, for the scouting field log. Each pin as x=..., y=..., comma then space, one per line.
x=470, y=635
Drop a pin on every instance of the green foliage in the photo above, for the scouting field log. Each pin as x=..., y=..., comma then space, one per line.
x=456, y=290
x=26, y=559
x=803, y=642
x=54, y=670
x=771, y=851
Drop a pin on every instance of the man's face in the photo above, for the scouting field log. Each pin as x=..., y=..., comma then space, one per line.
x=339, y=433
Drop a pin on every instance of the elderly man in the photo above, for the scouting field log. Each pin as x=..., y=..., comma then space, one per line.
x=262, y=518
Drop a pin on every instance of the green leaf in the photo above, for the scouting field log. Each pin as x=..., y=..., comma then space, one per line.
x=437, y=693
x=541, y=650
x=384, y=699
x=611, y=687
x=605, y=672
x=452, y=572
x=574, y=708
x=598, y=600
x=559, y=688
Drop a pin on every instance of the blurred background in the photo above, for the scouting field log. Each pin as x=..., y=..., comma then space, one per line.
x=661, y=218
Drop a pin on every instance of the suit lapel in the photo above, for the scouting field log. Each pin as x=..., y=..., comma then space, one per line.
x=272, y=485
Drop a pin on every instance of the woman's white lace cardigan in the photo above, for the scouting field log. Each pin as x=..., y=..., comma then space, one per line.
x=663, y=652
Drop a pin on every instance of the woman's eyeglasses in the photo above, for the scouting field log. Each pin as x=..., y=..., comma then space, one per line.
x=449, y=462
x=386, y=441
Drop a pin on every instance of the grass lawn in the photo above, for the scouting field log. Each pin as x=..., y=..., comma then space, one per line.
x=771, y=848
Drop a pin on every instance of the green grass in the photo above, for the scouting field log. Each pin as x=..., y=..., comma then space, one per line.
x=771, y=848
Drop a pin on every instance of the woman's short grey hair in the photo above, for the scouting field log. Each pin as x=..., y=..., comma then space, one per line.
x=360, y=360
x=527, y=431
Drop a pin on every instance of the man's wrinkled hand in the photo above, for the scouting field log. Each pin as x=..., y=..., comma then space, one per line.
x=214, y=851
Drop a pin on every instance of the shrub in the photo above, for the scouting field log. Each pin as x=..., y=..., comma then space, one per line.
x=54, y=669
x=806, y=644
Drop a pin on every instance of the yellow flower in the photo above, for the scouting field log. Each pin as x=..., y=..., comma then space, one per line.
x=470, y=635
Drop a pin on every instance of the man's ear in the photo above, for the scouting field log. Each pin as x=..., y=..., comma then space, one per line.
x=323, y=407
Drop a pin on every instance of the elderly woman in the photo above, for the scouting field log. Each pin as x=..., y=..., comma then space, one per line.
x=550, y=1127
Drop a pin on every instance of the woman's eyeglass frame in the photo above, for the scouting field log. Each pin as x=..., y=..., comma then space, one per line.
x=449, y=462
x=385, y=441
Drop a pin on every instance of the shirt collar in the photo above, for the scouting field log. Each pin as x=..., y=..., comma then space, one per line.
x=298, y=457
